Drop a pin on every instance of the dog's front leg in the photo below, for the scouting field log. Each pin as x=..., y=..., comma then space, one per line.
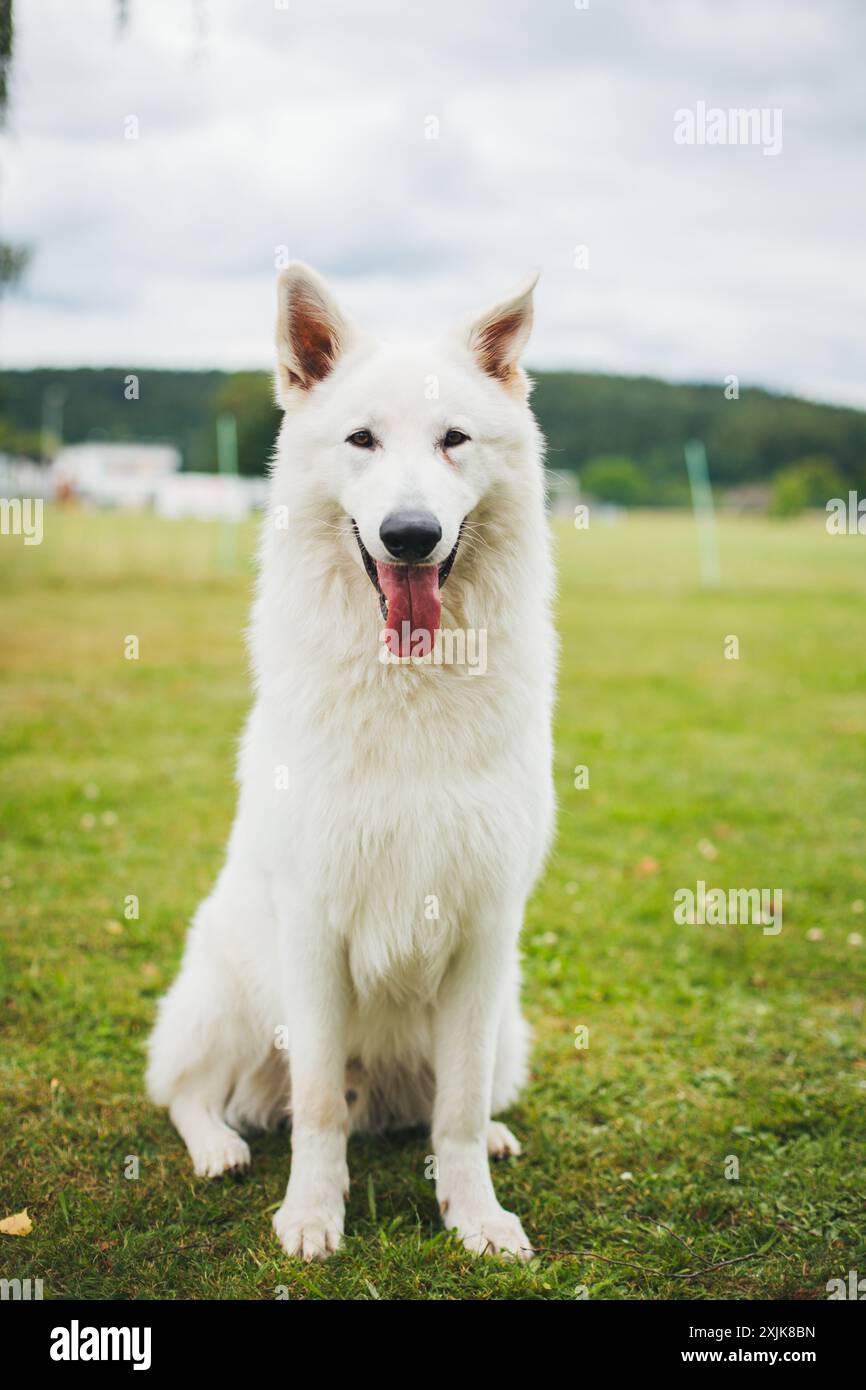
x=310, y=1221
x=465, y=1031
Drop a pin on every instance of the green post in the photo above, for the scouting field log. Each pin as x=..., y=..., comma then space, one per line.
x=53, y=398
x=227, y=465
x=702, y=505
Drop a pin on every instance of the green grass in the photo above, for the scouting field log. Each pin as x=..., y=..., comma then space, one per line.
x=705, y=1041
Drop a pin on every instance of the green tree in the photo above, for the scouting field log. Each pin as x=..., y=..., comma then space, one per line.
x=810, y=482
x=249, y=396
x=614, y=480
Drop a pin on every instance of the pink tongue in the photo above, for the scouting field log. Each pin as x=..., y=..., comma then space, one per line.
x=414, y=607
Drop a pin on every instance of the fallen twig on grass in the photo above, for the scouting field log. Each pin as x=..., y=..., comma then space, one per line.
x=685, y=1275
x=663, y=1227
x=647, y=1269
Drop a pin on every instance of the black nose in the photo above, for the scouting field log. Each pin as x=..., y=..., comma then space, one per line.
x=410, y=536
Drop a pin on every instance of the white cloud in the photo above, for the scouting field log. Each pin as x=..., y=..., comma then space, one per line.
x=306, y=127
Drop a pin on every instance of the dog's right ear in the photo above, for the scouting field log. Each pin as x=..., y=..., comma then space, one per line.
x=312, y=332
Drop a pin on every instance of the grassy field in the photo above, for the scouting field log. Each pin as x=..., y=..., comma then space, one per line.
x=706, y=1043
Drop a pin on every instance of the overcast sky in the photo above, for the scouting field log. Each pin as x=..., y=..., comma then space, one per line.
x=307, y=126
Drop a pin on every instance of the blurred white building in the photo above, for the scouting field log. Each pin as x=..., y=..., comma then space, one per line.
x=113, y=475
x=20, y=477
x=135, y=476
x=209, y=496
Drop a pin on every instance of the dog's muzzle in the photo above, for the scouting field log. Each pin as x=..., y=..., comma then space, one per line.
x=409, y=593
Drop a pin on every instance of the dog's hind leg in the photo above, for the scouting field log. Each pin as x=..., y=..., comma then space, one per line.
x=191, y=1070
x=509, y=1074
x=501, y=1143
x=202, y=1044
x=214, y=1146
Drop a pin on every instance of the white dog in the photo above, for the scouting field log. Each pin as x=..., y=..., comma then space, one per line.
x=356, y=965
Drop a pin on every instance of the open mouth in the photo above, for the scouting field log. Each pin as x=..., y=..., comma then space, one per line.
x=409, y=598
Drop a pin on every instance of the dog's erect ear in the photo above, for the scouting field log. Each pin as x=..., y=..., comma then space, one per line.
x=312, y=331
x=498, y=337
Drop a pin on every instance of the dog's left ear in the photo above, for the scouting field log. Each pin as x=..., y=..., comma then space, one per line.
x=499, y=336
x=312, y=332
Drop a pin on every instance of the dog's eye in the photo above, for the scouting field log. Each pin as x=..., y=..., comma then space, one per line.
x=453, y=438
x=362, y=439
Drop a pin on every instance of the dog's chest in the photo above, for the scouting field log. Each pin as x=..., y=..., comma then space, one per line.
x=418, y=856
x=407, y=819
x=407, y=874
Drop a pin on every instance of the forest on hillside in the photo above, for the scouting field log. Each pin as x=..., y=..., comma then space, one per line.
x=623, y=435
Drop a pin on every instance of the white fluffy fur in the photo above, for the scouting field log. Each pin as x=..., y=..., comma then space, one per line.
x=406, y=782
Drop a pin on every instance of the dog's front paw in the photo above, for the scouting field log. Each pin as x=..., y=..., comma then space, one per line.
x=309, y=1232
x=496, y=1232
